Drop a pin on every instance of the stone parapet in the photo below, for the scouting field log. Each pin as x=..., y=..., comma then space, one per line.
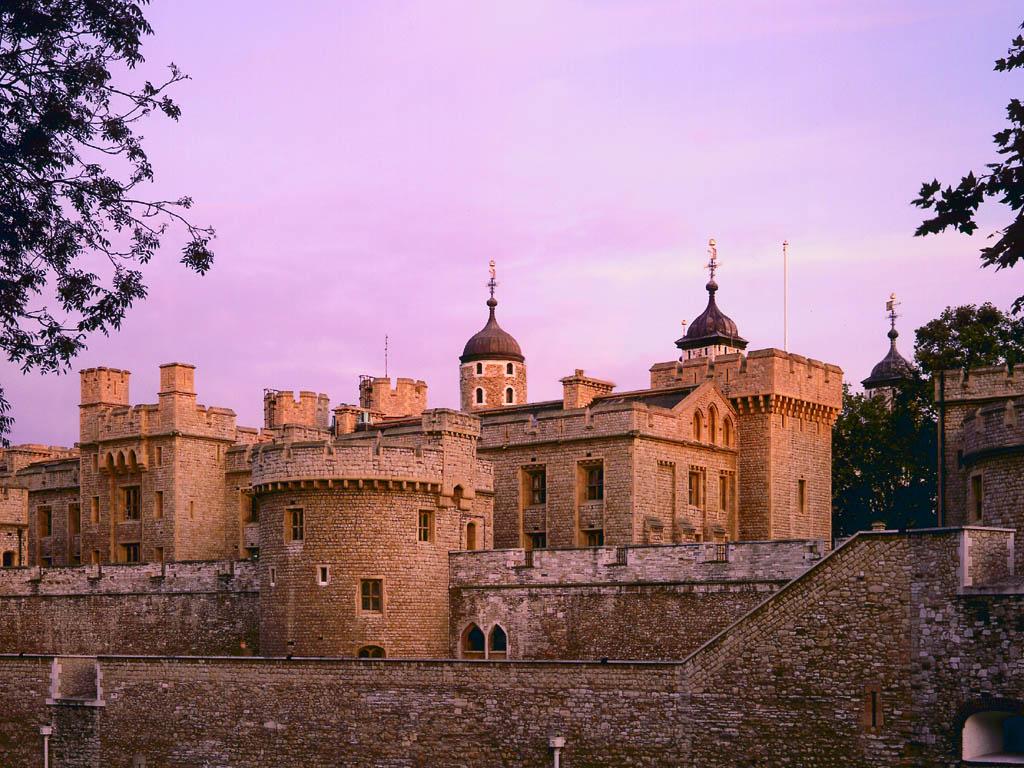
x=997, y=381
x=151, y=578
x=737, y=561
x=993, y=428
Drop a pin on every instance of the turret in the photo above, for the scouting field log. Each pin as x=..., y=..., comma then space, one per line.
x=713, y=333
x=493, y=370
x=894, y=369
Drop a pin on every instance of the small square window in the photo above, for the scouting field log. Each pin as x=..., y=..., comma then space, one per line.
x=130, y=553
x=538, y=540
x=595, y=538
x=425, y=528
x=323, y=575
x=371, y=595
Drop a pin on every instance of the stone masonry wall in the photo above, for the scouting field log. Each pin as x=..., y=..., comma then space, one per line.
x=187, y=608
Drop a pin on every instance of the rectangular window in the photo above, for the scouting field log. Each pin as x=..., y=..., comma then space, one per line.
x=595, y=538
x=696, y=488
x=801, y=496
x=131, y=502
x=191, y=510
x=95, y=462
x=251, y=514
x=273, y=576
x=130, y=552
x=371, y=595
x=95, y=557
x=294, y=524
x=159, y=457
x=977, y=498
x=595, y=483
x=538, y=540
x=158, y=554
x=74, y=520
x=95, y=509
x=323, y=575
x=45, y=521
x=425, y=529
x=723, y=491
x=538, y=487
x=873, y=718
x=158, y=504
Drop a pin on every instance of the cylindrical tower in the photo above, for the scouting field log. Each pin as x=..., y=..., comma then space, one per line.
x=492, y=373
x=354, y=543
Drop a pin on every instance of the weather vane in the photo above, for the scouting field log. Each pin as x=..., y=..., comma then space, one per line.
x=890, y=307
x=492, y=283
x=712, y=264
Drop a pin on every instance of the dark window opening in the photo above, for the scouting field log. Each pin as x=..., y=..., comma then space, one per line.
x=538, y=487
x=295, y=526
x=131, y=502
x=473, y=643
x=509, y=395
x=595, y=538
x=371, y=593
x=499, y=643
x=595, y=483
x=538, y=540
x=479, y=396
x=130, y=553
x=371, y=652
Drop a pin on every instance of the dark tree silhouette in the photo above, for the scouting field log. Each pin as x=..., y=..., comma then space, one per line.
x=884, y=457
x=957, y=207
x=75, y=225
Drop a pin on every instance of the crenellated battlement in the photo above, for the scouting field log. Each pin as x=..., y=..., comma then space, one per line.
x=447, y=421
x=47, y=475
x=785, y=376
x=281, y=407
x=993, y=427
x=995, y=381
x=344, y=466
x=407, y=398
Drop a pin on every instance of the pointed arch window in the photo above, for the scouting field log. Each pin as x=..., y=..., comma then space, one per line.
x=473, y=643
x=497, y=646
x=728, y=433
x=712, y=425
x=698, y=426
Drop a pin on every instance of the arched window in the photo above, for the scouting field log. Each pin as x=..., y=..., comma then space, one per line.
x=473, y=643
x=120, y=460
x=510, y=395
x=470, y=535
x=479, y=369
x=133, y=461
x=371, y=652
x=698, y=426
x=712, y=425
x=509, y=369
x=498, y=646
x=996, y=737
x=8, y=561
x=479, y=395
x=727, y=432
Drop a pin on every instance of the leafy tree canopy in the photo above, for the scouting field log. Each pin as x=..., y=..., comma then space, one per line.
x=75, y=224
x=968, y=336
x=956, y=207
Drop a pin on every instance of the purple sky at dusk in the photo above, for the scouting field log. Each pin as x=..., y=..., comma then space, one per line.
x=362, y=161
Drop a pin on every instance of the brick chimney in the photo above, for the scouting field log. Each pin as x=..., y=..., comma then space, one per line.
x=579, y=390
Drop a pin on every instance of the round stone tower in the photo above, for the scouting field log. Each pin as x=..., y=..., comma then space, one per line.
x=355, y=535
x=492, y=373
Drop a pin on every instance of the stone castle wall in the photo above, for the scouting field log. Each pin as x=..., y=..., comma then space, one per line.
x=182, y=608
x=494, y=381
x=874, y=657
x=642, y=602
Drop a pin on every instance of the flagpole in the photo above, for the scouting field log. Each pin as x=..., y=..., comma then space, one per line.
x=785, y=295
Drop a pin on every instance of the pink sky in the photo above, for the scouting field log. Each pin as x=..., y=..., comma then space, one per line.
x=362, y=161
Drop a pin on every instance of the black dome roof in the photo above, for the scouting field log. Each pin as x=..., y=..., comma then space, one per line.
x=892, y=369
x=712, y=327
x=492, y=342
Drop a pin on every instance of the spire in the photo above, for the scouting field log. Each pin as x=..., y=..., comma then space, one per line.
x=713, y=332
x=491, y=342
x=893, y=368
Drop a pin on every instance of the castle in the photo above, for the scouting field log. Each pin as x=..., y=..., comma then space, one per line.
x=654, y=568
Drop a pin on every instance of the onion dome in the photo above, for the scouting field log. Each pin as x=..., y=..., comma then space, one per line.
x=712, y=327
x=492, y=342
x=893, y=369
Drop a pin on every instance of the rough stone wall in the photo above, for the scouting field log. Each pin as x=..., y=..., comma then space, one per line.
x=280, y=407
x=494, y=380
x=652, y=603
x=24, y=689
x=186, y=609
